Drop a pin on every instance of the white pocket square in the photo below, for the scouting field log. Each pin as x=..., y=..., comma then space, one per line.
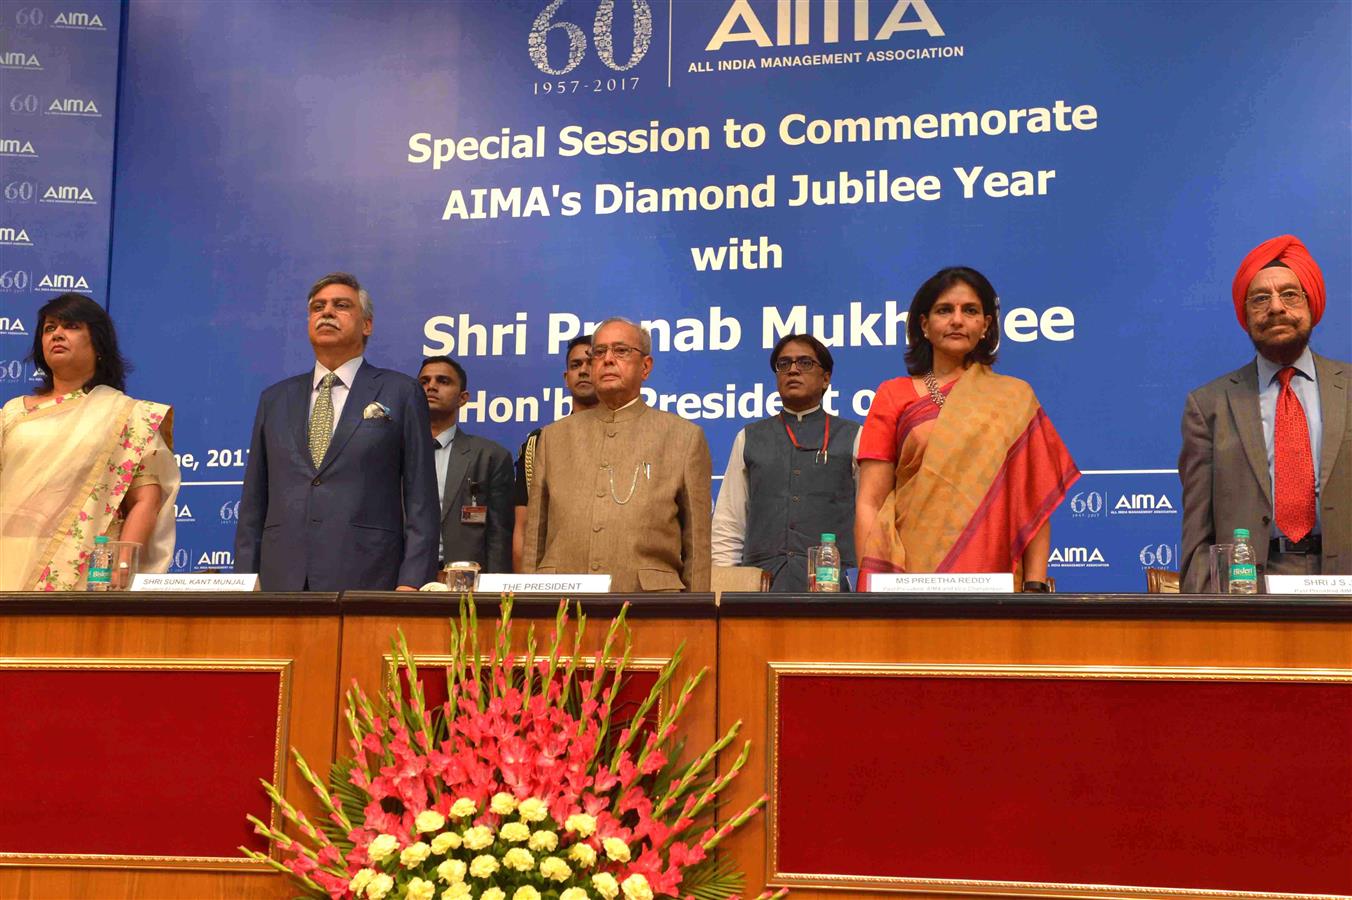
x=375, y=411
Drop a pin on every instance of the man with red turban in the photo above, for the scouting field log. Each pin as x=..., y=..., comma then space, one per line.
x=1266, y=447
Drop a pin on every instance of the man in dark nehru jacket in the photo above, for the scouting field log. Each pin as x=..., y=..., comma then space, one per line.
x=1267, y=447
x=622, y=489
x=577, y=379
x=791, y=477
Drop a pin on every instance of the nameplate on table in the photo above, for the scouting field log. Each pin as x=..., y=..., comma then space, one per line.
x=951, y=583
x=187, y=581
x=498, y=583
x=1309, y=584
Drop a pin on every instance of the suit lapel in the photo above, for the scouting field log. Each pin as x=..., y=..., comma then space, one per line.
x=456, y=468
x=1333, y=409
x=365, y=387
x=1243, y=399
x=298, y=411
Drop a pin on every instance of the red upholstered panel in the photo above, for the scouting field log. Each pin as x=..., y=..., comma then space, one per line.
x=1162, y=783
x=140, y=762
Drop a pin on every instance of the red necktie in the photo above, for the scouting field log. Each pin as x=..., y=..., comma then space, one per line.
x=1293, y=463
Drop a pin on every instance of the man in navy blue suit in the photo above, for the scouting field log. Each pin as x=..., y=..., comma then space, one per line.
x=340, y=492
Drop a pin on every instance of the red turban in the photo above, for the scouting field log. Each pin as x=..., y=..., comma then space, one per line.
x=1290, y=252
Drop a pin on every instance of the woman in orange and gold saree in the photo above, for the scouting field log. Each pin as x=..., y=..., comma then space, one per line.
x=79, y=458
x=959, y=468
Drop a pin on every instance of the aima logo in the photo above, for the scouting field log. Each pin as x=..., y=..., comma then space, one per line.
x=73, y=106
x=68, y=193
x=1159, y=556
x=1143, y=504
x=81, y=20
x=17, y=59
x=1077, y=558
x=16, y=147
x=12, y=325
x=1086, y=504
x=216, y=559
x=15, y=237
x=793, y=22
x=63, y=283
x=183, y=513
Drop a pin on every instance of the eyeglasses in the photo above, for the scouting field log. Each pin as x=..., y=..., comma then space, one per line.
x=1290, y=300
x=621, y=352
x=804, y=363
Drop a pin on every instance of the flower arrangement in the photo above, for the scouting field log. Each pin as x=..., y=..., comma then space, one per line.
x=518, y=786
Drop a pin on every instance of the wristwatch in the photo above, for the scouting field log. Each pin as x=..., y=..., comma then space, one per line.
x=1036, y=587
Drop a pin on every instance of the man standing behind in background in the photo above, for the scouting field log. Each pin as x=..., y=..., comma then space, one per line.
x=791, y=477
x=1267, y=447
x=577, y=379
x=622, y=489
x=340, y=493
x=474, y=475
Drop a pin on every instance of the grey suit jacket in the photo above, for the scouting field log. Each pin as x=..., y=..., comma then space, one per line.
x=1224, y=470
x=478, y=461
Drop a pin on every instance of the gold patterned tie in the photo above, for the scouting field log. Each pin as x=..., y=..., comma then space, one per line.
x=321, y=419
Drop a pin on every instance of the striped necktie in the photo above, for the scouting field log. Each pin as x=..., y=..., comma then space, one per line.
x=321, y=419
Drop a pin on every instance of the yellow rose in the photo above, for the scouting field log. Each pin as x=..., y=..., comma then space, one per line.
x=533, y=809
x=479, y=837
x=544, y=840
x=503, y=804
x=616, y=849
x=574, y=893
x=451, y=871
x=381, y=885
x=555, y=869
x=420, y=889
x=414, y=854
x=361, y=880
x=457, y=891
x=583, y=854
x=444, y=842
x=518, y=858
x=606, y=885
x=463, y=807
x=493, y=893
x=636, y=888
x=582, y=823
x=429, y=820
x=526, y=893
x=483, y=866
x=514, y=832
x=382, y=846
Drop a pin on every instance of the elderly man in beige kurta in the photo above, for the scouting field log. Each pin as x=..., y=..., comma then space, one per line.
x=622, y=489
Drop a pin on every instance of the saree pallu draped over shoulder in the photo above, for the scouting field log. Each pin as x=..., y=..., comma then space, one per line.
x=975, y=480
x=65, y=468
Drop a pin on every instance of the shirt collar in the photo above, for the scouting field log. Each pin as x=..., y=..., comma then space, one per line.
x=447, y=437
x=346, y=372
x=1267, y=369
x=800, y=416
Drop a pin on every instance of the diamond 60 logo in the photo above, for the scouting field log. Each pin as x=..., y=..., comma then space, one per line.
x=1159, y=556
x=603, y=37
x=1087, y=505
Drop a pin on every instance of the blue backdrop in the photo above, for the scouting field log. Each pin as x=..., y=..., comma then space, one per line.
x=260, y=145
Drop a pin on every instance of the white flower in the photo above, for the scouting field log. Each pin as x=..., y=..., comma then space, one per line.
x=429, y=820
x=544, y=840
x=519, y=859
x=606, y=885
x=447, y=840
x=526, y=893
x=616, y=849
x=483, y=866
x=574, y=893
x=514, y=832
x=533, y=809
x=582, y=854
x=420, y=889
x=582, y=823
x=457, y=891
x=636, y=888
x=381, y=885
x=463, y=807
x=361, y=880
x=479, y=837
x=502, y=804
x=555, y=869
x=451, y=871
x=414, y=854
x=382, y=846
